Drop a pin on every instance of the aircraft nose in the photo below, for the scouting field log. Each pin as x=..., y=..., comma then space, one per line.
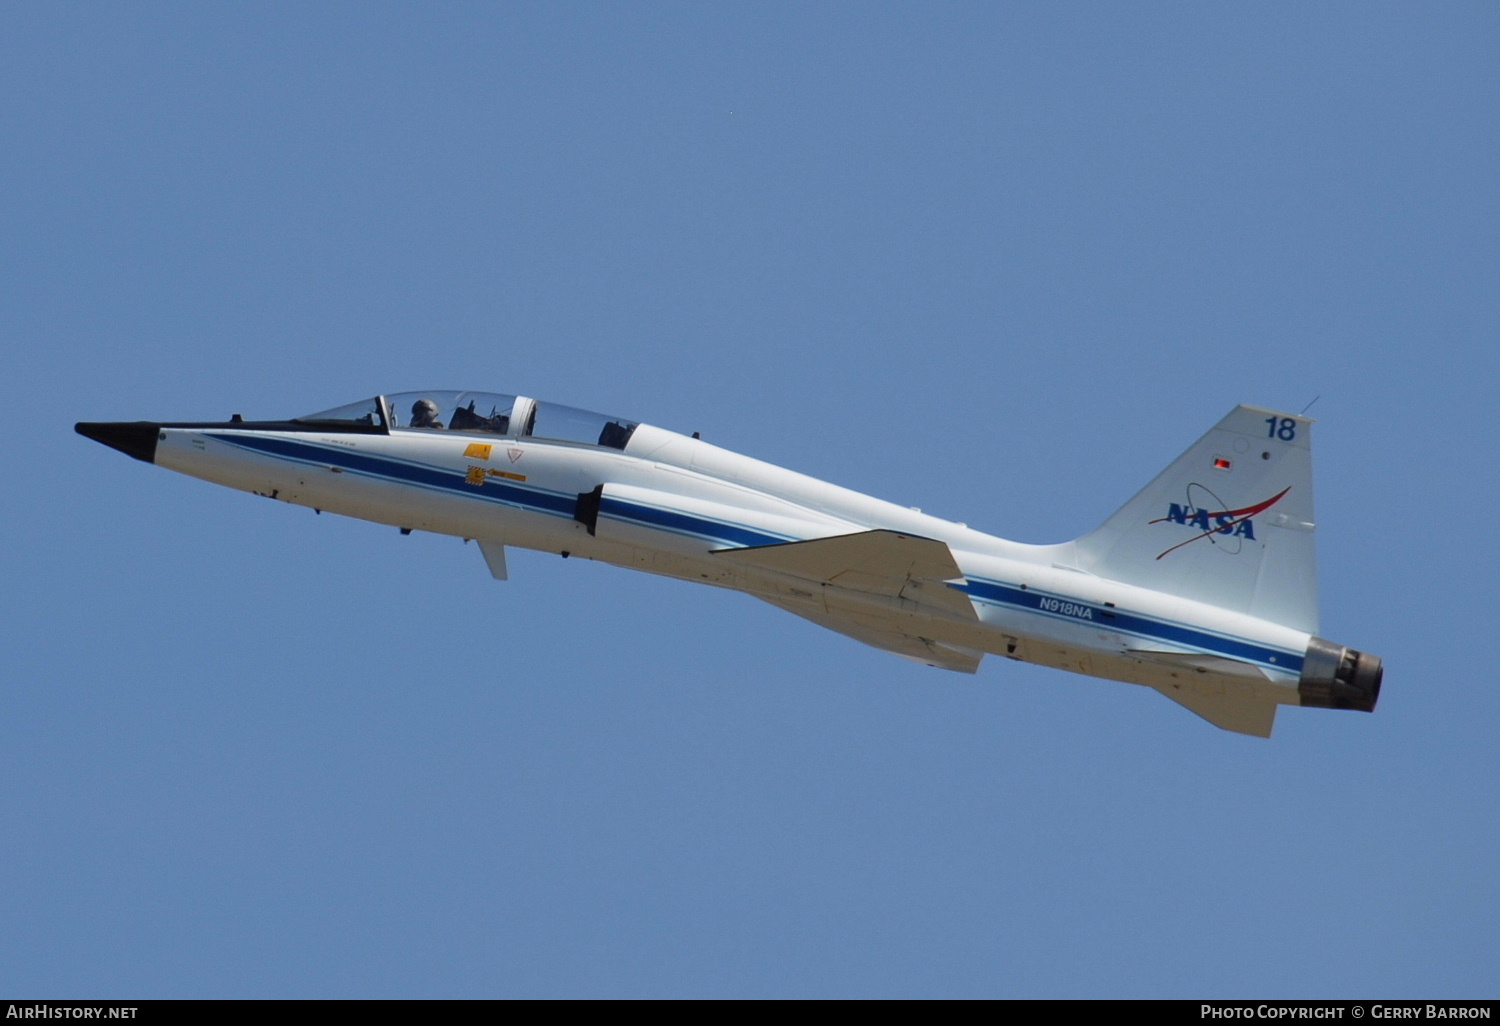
x=133, y=438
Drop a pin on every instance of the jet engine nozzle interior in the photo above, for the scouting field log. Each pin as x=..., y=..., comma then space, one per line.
x=1335, y=677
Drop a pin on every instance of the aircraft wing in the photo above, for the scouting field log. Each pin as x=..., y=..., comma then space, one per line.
x=906, y=569
x=888, y=637
x=883, y=563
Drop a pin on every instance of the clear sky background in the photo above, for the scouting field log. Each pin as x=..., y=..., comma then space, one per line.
x=1001, y=261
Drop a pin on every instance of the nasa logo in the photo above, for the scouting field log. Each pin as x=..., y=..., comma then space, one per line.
x=1202, y=519
x=1210, y=520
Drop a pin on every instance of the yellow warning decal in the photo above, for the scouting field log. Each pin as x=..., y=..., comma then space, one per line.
x=478, y=451
x=507, y=474
x=475, y=476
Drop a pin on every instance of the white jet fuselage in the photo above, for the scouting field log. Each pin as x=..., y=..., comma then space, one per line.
x=922, y=587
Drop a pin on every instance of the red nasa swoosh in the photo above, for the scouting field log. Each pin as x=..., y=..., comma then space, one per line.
x=1240, y=515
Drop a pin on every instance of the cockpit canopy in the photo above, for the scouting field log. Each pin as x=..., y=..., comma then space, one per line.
x=480, y=413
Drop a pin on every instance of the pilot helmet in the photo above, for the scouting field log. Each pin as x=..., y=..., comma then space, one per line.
x=424, y=411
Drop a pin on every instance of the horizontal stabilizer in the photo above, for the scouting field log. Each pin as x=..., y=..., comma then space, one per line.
x=1243, y=714
x=884, y=563
x=888, y=637
x=1228, y=693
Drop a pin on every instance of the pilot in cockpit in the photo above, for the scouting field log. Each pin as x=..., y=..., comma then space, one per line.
x=424, y=414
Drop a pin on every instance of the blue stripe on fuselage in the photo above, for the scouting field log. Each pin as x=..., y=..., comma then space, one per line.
x=1109, y=618
x=559, y=504
x=405, y=472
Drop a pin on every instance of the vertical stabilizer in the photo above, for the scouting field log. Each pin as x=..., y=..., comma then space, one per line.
x=1230, y=523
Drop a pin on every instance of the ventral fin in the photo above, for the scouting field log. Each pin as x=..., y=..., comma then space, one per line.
x=494, y=557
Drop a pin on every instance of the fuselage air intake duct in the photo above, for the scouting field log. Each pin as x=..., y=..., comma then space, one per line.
x=1335, y=677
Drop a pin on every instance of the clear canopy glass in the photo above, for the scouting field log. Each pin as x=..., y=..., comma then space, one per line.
x=566, y=424
x=483, y=413
x=364, y=412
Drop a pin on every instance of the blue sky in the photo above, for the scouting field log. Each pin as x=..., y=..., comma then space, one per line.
x=1001, y=261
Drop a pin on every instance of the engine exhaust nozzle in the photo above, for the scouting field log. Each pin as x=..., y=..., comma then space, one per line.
x=1335, y=677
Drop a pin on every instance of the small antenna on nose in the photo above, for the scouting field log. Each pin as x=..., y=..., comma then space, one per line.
x=1309, y=405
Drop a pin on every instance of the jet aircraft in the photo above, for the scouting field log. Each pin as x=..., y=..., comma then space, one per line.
x=1201, y=587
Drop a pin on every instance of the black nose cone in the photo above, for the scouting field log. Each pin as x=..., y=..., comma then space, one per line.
x=137, y=438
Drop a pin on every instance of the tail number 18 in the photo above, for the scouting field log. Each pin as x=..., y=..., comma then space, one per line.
x=1284, y=428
